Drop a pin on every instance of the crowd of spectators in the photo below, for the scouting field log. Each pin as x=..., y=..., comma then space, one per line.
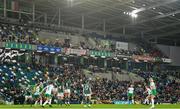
x=128, y=52
x=29, y=34
x=103, y=89
x=149, y=48
x=17, y=33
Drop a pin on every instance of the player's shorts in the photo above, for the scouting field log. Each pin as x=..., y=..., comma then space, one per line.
x=48, y=96
x=55, y=90
x=67, y=91
x=36, y=96
x=154, y=92
x=28, y=97
x=130, y=95
x=61, y=95
x=87, y=95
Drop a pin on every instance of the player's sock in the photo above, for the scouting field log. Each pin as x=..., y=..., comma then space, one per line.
x=36, y=102
x=65, y=101
x=145, y=101
x=152, y=101
x=85, y=101
x=61, y=102
x=68, y=101
x=45, y=102
x=25, y=101
x=132, y=101
x=50, y=100
x=88, y=102
x=31, y=102
x=41, y=101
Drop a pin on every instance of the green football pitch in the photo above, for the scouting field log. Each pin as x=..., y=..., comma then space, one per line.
x=99, y=106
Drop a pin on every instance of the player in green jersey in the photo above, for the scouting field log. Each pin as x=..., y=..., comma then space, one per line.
x=87, y=93
x=60, y=92
x=28, y=95
x=67, y=91
x=37, y=93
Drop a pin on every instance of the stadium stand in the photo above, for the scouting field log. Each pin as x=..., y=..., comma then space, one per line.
x=33, y=54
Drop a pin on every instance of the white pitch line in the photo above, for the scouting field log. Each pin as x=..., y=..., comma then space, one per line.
x=88, y=108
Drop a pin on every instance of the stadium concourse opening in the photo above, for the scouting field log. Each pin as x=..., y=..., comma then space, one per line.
x=98, y=54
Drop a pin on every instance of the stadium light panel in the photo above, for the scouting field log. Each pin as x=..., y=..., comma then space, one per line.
x=134, y=15
x=136, y=11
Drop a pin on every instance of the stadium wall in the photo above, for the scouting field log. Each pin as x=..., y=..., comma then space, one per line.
x=132, y=46
x=172, y=52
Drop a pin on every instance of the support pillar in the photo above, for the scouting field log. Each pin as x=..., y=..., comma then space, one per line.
x=175, y=43
x=124, y=30
x=156, y=40
x=45, y=18
x=142, y=35
x=5, y=8
x=19, y=15
x=33, y=12
x=82, y=22
x=59, y=19
x=104, y=27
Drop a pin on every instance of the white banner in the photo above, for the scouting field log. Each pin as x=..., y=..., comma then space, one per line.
x=123, y=56
x=121, y=45
x=166, y=60
x=78, y=52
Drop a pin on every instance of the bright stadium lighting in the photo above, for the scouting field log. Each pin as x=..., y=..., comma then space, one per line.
x=134, y=15
x=135, y=11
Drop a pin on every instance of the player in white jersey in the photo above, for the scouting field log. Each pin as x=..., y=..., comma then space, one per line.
x=148, y=91
x=153, y=92
x=130, y=94
x=48, y=93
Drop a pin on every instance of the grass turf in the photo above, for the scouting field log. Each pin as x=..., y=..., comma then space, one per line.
x=97, y=106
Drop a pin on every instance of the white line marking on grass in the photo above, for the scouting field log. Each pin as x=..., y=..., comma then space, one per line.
x=83, y=108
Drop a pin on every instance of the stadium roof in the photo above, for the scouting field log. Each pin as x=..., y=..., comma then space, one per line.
x=148, y=18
